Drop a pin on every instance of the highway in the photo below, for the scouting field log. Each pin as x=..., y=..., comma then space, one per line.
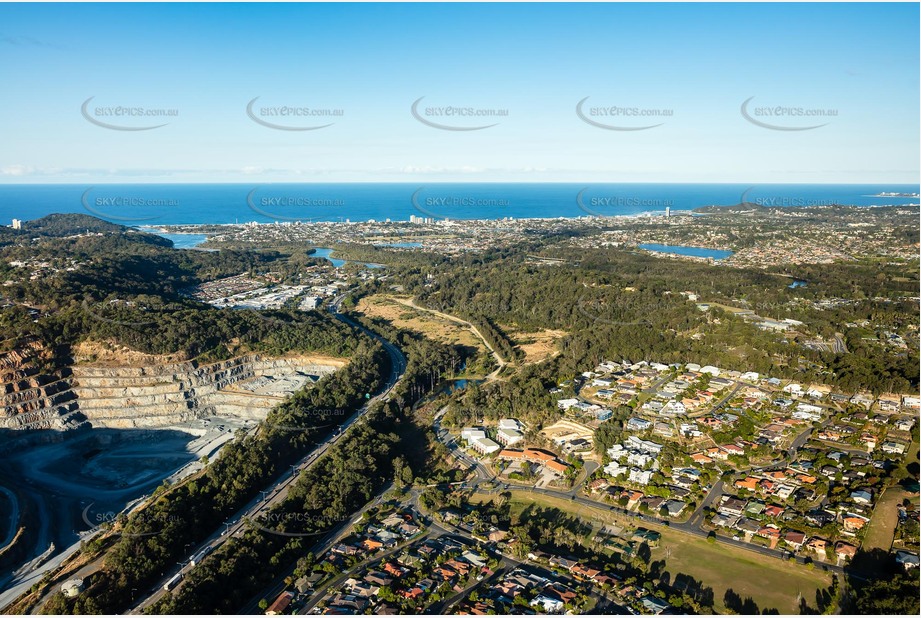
x=278, y=490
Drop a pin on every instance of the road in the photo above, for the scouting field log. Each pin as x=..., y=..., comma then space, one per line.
x=447, y=316
x=696, y=518
x=278, y=490
x=336, y=582
x=686, y=527
x=691, y=526
x=481, y=471
x=446, y=604
x=322, y=545
x=507, y=564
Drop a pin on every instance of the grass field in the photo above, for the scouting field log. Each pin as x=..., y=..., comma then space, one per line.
x=769, y=582
x=884, y=520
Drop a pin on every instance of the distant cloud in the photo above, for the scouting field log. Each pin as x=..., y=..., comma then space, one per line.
x=16, y=170
x=466, y=169
x=27, y=41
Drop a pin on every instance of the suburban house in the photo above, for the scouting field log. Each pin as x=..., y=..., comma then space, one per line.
x=732, y=506
x=280, y=604
x=845, y=550
x=794, y=539
x=817, y=545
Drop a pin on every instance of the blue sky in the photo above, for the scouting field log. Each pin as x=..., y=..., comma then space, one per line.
x=689, y=65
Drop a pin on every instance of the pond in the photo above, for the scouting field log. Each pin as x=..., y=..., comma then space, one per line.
x=325, y=252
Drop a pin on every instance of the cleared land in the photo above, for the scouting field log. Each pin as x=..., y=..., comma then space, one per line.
x=885, y=519
x=537, y=346
x=427, y=324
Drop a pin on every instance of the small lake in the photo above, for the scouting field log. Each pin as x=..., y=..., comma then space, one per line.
x=455, y=385
x=185, y=241
x=325, y=252
x=180, y=241
x=716, y=254
x=797, y=283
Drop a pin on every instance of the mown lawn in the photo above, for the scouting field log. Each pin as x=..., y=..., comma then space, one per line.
x=769, y=582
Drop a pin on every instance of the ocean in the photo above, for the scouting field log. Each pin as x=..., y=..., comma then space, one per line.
x=174, y=204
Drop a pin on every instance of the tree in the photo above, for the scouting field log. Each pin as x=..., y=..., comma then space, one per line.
x=895, y=595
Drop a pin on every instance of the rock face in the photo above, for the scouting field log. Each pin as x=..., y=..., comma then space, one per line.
x=156, y=395
x=34, y=396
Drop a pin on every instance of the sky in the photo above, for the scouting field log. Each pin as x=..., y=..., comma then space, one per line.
x=762, y=93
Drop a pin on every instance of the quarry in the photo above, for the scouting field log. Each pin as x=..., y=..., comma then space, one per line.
x=88, y=433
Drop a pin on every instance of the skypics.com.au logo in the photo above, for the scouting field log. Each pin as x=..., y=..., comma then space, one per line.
x=125, y=117
x=142, y=520
x=293, y=207
x=785, y=117
x=125, y=207
x=616, y=205
x=292, y=117
x=293, y=525
x=456, y=117
x=618, y=118
x=754, y=195
x=326, y=420
x=454, y=206
x=115, y=310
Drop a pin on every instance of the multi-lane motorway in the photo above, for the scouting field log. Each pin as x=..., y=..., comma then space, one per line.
x=278, y=490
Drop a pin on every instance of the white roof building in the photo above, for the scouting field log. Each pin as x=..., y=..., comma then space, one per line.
x=893, y=447
x=640, y=477
x=646, y=446
x=509, y=437
x=472, y=433
x=484, y=445
x=550, y=605
x=617, y=452
x=673, y=408
x=638, y=424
